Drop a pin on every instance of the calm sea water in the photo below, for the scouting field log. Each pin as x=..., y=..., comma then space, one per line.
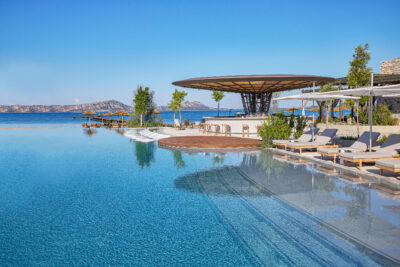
x=11, y=120
x=15, y=120
x=70, y=197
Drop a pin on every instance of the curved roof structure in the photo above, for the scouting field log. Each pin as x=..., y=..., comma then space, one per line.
x=254, y=83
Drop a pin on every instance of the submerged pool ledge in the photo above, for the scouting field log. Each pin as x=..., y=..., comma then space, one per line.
x=376, y=178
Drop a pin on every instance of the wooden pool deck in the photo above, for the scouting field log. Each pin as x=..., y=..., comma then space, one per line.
x=209, y=142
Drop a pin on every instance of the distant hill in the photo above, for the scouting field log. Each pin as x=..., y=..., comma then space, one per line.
x=195, y=105
x=103, y=106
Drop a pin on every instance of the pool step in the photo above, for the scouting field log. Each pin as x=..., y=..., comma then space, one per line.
x=272, y=230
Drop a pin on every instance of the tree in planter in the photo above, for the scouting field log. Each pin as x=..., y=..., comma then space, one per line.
x=217, y=96
x=178, y=98
x=142, y=101
x=359, y=74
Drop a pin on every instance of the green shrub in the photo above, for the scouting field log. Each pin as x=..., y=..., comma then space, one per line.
x=301, y=123
x=383, y=116
x=383, y=138
x=276, y=127
x=152, y=120
x=363, y=115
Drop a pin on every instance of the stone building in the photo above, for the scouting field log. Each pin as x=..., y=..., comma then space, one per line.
x=390, y=66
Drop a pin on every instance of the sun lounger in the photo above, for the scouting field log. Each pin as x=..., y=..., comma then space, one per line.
x=389, y=150
x=392, y=165
x=305, y=137
x=321, y=140
x=360, y=145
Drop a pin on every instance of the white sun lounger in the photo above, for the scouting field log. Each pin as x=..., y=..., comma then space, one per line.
x=389, y=150
x=321, y=140
x=360, y=145
x=305, y=137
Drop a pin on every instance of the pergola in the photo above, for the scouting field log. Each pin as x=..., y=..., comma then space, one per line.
x=255, y=90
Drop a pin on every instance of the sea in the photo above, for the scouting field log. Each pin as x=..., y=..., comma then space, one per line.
x=51, y=120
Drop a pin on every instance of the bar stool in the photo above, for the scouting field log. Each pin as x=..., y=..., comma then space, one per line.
x=245, y=128
x=206, y=128
x=226, y=129
x=217, y=129
x=201, y=127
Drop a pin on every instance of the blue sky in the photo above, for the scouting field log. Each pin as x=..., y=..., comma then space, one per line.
x=66, y=52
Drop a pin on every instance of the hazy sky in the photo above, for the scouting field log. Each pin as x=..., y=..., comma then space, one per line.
x=65, y=52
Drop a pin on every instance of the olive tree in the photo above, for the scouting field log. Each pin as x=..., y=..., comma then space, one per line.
x=176, y=103
x=217, y=96
x=143, y=102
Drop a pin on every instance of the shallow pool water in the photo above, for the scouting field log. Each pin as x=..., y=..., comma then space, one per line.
x=73, y=197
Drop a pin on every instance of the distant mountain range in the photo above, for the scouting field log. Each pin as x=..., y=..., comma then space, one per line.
x=103, y=106
x=195, y=105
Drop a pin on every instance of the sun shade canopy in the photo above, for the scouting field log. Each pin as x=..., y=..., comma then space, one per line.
x=315, y=97
x=254, y=83
x=389, y=90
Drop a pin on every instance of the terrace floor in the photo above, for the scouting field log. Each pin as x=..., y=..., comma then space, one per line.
x=208, y=142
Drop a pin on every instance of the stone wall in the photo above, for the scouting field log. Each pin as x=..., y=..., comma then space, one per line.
x=390, y=66
x=351, y=130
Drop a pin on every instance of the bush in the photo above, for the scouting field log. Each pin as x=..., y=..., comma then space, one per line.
x=383, y=138
x=301, y=123
x=276, y=127
x=383, y=116
x=152, y=120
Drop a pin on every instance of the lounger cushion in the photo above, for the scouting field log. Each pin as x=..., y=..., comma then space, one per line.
x=305, y=137
x=280, y=141
x=326, y=136
x=391, y=145
x=335, y=150
x=394, y=164
x=365, y=155
x=308, y=144
x=320, y=140
x=362, y=143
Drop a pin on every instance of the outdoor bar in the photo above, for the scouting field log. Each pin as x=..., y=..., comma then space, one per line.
x=256, y=94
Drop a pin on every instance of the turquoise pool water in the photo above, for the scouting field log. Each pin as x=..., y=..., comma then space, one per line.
x=72, y=198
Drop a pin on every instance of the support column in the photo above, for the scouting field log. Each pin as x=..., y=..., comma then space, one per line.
x=256, y=103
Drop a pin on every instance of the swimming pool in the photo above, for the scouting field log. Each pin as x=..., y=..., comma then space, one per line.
x=72, y=198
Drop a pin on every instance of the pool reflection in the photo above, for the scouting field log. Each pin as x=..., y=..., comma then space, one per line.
x=144, y=153
x=356, y=211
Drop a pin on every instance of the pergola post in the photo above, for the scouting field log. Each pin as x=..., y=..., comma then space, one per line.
x=256, y=102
